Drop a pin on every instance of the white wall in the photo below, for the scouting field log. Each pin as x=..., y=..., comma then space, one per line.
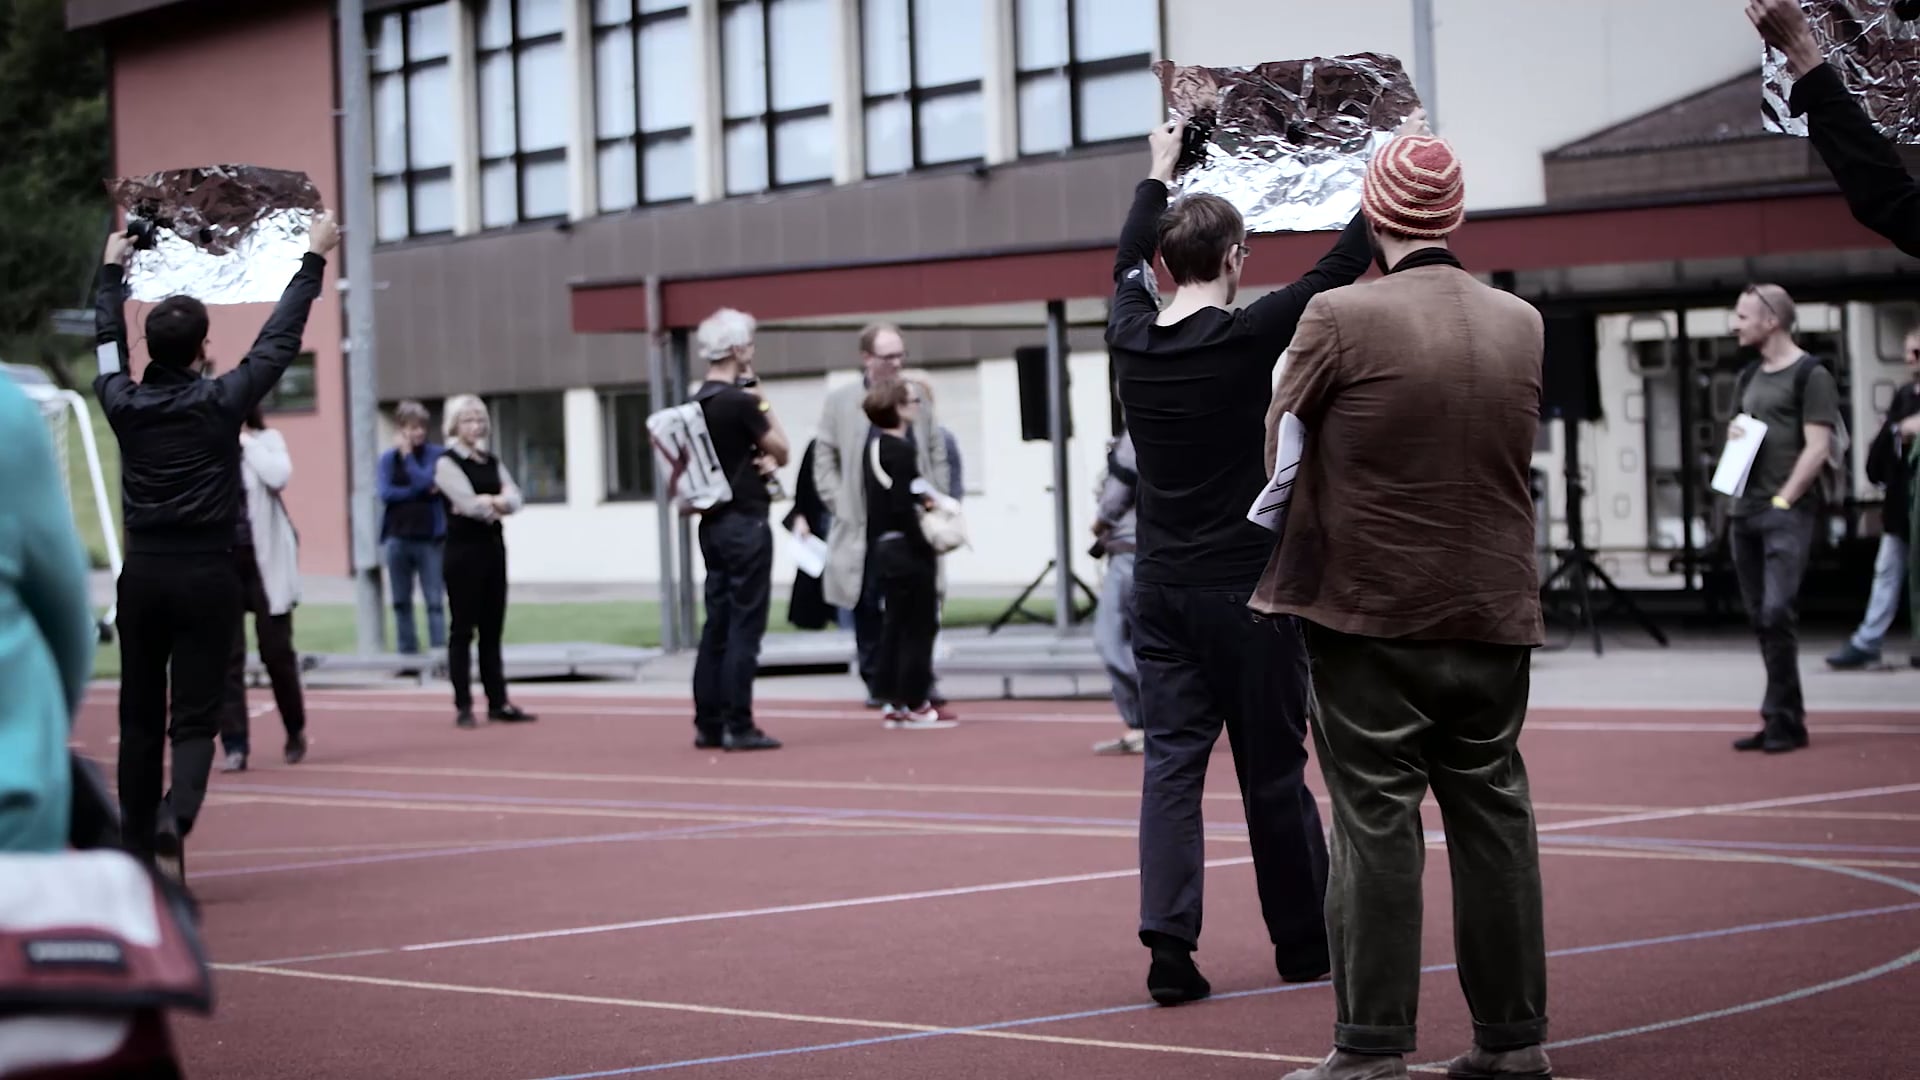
x=1513, y=78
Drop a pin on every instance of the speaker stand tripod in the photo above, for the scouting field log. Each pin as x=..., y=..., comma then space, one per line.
x=1577, y=568
x=1018, y=607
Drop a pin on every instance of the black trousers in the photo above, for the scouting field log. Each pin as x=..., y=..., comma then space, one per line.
x=175, y=623
x=1770, y=552
x=909, y=621
x=738, y=551
x=275, y=636
x=1390, y=719
x=477, y=602
x=1207, y=662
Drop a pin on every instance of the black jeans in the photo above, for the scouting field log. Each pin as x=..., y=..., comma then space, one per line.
x=1206, y=661
x=1391, y=718
x=176, y=617
x=477, y=600
x=1770, y=551
x=910, y=619
x=738, y=551
x=275, y=637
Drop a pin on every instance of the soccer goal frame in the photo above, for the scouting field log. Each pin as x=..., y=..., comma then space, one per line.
x=68, y=409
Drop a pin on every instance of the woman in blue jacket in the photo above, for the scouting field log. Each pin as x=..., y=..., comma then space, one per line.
x=47, y=632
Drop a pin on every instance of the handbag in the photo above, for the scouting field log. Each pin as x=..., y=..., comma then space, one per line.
x=94, y=949
x=942, y=523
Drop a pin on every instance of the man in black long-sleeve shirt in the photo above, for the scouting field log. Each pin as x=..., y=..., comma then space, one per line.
x=179, y=592
x=1194, y=380
x=1881, y=193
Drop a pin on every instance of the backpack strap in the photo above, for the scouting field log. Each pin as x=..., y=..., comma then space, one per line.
x=1740, y=385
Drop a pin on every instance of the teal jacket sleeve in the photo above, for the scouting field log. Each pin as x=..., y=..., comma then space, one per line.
x=53, y=582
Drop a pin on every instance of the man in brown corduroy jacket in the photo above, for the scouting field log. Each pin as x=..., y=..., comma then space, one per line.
x=1408, y=556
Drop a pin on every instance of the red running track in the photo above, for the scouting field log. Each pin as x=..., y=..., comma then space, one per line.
x=590, y=896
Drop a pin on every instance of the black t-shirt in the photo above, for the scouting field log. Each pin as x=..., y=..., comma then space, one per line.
x=1196, y=396
x=736, y=420
x=893, y=507
x=1770, y=399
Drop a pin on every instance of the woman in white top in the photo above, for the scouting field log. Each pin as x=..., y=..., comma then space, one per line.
x=479, y=493
x=270, y=581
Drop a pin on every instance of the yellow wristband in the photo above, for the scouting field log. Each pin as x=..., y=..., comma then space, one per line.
x=1782, y=503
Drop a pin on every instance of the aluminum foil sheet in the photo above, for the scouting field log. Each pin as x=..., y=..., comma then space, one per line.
x=224, y=234
x=1877, y=54
x=1287, y=143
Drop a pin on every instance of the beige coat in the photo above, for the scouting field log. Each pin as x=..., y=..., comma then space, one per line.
x=837, y=473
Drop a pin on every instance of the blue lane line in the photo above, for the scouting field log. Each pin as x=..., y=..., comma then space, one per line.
x=1265, y=991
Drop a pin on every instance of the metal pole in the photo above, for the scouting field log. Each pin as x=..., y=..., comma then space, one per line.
x=1683, y=376
x=1057, y=434
x=356, y=182
x=663, y=506
x=684, y=602
x=1424, y=75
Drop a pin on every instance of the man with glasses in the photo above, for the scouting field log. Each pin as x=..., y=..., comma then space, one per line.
x=1773, y=519
x=1194, y=380
x=837, y=474
x=1888, y=466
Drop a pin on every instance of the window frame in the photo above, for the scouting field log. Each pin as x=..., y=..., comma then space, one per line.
x=410, y=178
x=635, y=25
x=610, y=446
x=520, y=157
x=914, y=96
x=1075, y=71
x=769, y=118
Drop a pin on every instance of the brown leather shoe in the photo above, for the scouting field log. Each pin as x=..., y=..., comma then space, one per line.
x=1341, y=1065
x=1526, y=1063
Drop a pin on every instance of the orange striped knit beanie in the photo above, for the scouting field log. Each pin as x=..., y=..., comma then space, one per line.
x=1413, y=188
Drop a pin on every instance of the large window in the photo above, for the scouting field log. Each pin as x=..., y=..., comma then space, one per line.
x=645, y=88
x=295, y=392
x=525, y=94
x=1083, y=73
x=413, y=121
x=530, y=435
x=629, y=451
x=922, y=63
x=777, y=77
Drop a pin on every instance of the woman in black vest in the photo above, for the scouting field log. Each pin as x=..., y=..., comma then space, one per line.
x=479, y=492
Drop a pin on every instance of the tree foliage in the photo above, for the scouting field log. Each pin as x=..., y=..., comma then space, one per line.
x=53, y=205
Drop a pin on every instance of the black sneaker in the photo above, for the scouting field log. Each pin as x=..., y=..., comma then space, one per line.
x=236, y=761
x=750, y=739
x=169, y=847
x=1771, y=742
x=708, y=740
x=1851, y=657
x=296, y=748
x=466, y=720
x=1174, y=979
x=511, y=714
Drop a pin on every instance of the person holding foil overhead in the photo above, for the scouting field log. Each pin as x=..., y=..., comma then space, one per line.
x=1881, y=193
x=180, y=595
x=1194, y=380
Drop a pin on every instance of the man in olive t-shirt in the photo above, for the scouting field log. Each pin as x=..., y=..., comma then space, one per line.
x=1774, y=518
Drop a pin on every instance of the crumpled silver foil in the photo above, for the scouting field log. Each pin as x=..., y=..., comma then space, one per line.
x=223, y=234
x=1877, y=55
x=1288, y=141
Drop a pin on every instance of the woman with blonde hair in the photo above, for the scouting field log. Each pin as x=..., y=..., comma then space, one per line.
x=479, y=492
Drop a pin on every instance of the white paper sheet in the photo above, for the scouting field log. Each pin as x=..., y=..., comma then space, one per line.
x=1736, y=461
x=809, y=554
x=1269, y=511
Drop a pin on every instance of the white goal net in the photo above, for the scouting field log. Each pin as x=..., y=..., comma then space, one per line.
x=70, y=424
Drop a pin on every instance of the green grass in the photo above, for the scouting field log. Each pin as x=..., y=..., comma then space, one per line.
x=329, y=628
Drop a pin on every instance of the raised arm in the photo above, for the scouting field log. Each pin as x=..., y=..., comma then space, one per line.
x=279, y=341
x=111, y=381
x=1877, y=186
x=1135, y=289
x=401, y=478
x=1275, y=316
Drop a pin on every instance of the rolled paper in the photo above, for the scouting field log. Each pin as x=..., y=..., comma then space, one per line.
x=223, y=234
x=1286, y=142
x=1875, y=51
